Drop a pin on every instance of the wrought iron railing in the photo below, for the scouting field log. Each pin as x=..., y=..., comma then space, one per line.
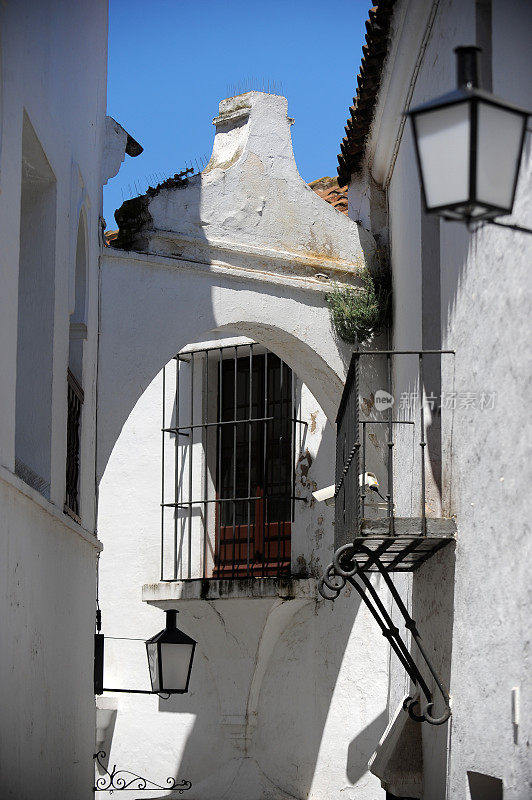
x=228, y=464
x=386, y=543
x=351, y=490
x=75, y=405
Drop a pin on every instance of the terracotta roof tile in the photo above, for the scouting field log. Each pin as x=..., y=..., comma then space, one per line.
x=328, y=189
x=109, y=237
x=368, y=81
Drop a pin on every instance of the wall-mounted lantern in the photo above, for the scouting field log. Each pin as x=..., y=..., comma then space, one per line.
x=468, y=146
x=170, y=655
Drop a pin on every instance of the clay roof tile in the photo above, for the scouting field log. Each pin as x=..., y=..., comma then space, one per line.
x=368, y=82
x=329, y=190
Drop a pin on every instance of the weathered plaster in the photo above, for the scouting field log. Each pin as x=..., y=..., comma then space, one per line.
x=246, y=245
x=265, y=715
x=472, y=605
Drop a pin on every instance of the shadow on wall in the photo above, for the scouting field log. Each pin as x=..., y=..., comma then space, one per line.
x=433, y=609
x=484, y=787
x=363, y=746
x=295, y=705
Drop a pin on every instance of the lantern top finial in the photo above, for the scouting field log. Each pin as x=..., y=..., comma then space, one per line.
x=171, y=619
x=467, y=71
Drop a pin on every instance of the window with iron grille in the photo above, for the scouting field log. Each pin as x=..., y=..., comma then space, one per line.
x=75, y=406
x=228, y=461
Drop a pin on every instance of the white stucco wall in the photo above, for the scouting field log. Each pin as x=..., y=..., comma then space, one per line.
x=54, y=74
x=246, y=244
x=245, y=249
x=471, y=605
x=47, y=575
x=287, y=698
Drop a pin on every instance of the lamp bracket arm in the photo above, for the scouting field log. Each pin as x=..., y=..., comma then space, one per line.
x=124, y=779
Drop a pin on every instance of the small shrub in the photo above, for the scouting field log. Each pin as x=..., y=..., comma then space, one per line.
x=357, y=313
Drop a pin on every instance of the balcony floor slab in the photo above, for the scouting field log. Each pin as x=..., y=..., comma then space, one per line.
x=407, y=548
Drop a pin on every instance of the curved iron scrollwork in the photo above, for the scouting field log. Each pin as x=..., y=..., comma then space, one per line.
x=120, y=779
x=345, y=569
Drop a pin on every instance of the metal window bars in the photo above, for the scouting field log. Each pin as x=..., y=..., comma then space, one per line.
x=75, y=405
x=391, y=544
x=228, y=463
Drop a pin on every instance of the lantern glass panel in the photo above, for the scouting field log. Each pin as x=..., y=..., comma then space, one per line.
x=499, y=138
x=175, y=660
x=443, y=140
x=153, y=664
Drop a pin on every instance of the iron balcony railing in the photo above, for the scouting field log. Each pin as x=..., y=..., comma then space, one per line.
x=355, y=423
x=229, y=438
x=75, y=405
x=376, y=539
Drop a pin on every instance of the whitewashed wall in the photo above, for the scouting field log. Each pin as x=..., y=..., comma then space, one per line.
x=53, y=74
x=471, y=606
x=277, y=706
x=286, y=698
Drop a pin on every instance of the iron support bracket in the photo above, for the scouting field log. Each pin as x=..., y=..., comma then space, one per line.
x=345, y=569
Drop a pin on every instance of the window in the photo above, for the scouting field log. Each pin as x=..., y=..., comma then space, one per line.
x=228, y=461
x=77, y=336
x=254, y=479
x=36, y=295
x=484, y=787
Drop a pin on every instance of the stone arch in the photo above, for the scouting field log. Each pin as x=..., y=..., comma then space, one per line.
x=149, y=313
x=246, y=245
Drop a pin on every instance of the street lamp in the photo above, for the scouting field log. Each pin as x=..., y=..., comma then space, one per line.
x=468, y=146
x=170, y=656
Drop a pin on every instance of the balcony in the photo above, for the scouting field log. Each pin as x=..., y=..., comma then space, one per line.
x=388, y=441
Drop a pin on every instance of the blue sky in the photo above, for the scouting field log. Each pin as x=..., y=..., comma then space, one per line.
x=172, y=61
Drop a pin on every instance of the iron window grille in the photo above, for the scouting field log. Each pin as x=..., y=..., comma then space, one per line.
x=228, y=464
x=75, y=405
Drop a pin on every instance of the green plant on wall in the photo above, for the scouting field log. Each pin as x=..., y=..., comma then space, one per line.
x=358, y=313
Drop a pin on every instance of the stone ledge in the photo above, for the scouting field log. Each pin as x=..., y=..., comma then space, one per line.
x=290, y=588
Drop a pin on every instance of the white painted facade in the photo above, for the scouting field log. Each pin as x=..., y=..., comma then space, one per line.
x=469, y=292
x=287, y=695
x=53, y=61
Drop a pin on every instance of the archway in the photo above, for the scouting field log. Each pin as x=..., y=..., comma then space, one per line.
x=152, y=306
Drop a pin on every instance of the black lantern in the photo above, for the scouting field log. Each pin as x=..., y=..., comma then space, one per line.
x=468, y=146
x=170, y=655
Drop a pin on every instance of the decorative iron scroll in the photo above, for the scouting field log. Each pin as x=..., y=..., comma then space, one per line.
x=345, y=569
x=121, y=779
